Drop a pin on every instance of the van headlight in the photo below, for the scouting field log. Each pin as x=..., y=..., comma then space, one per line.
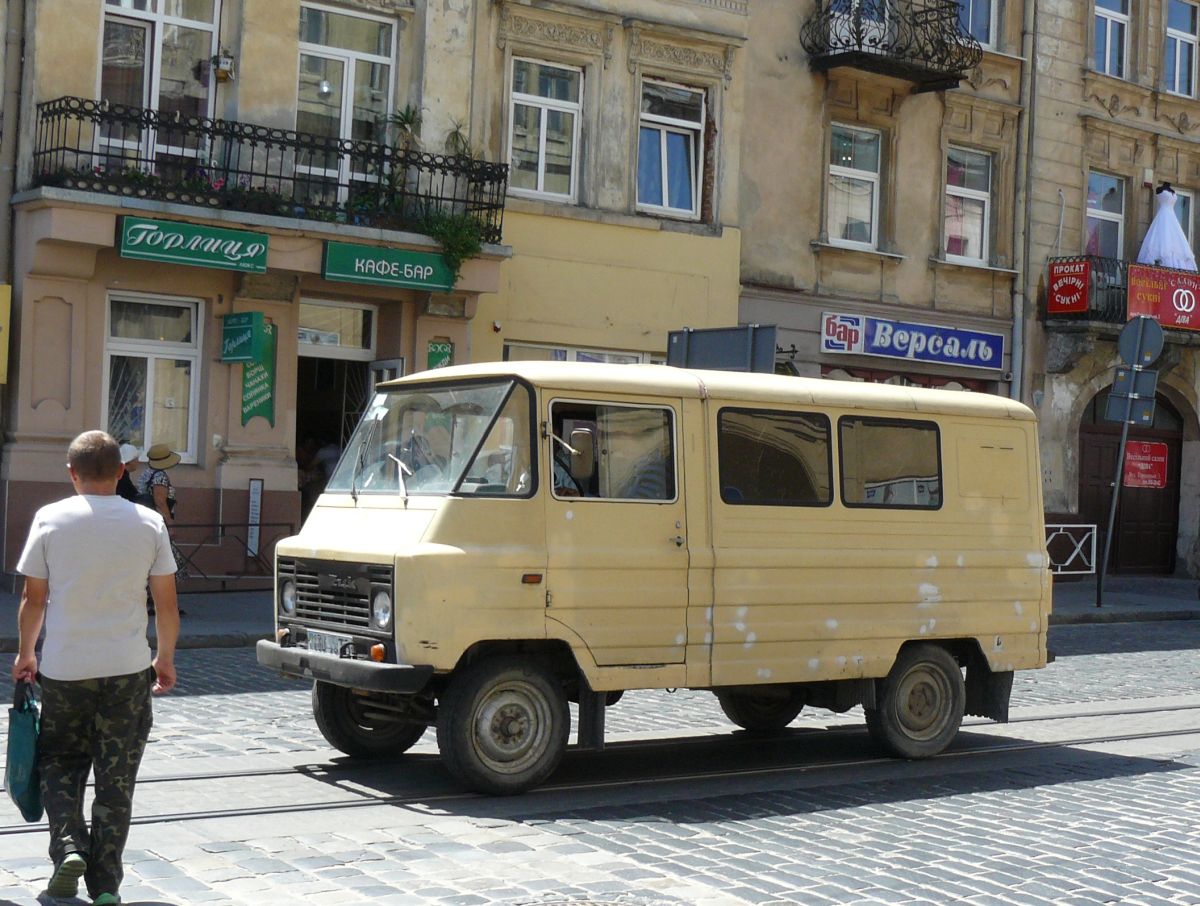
x=381, y=609
x=287, y=597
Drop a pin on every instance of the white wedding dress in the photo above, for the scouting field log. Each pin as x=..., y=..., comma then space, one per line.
x=1166, y=243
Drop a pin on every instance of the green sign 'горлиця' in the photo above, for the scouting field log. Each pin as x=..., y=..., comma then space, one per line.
x=351, y=263
x=176, y=242
x=243, y=337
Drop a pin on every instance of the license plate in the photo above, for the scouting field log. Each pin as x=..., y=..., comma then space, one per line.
x=327, y=642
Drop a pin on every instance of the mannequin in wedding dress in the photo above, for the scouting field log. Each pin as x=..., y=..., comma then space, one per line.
x=1166, y=244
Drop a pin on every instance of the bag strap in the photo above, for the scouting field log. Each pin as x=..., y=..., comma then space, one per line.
x=23, y=697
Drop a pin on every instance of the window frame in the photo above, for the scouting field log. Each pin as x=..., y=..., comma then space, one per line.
x=748, y=410
x=993, y=9
x=876, y=178
x=1189, y=226
x=894, y=422
x=974, y=195
x=665, y=125
x=1181, y=37
x=152, y=350
x=1112, y=20
x=544, y=105
x=1091, y=213
x=348, y=353
x=572, y=353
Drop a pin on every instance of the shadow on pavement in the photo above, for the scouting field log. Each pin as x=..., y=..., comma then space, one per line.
x=1124, y=638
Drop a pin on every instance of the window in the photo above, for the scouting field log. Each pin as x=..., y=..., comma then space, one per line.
x=774, y=458
x=1179, y=61
x=967, y=216
x=1111, y=37
x=156, y=54
x=1183, y=210
x=152, y=369
x=629, y=453
x=853, y=204
x=1105, y=215
x=528, y=352
x=890, y=463
x=344, y=92
x=670, y=149
x=975, y=17
x=544, y=121
x=337, y=330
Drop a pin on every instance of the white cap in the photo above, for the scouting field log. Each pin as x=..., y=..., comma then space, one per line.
x=129, y=453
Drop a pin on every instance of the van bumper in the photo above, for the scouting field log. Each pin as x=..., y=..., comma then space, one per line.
x=300, y=662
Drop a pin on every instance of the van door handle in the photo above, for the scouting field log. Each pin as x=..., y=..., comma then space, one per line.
x=678, y=539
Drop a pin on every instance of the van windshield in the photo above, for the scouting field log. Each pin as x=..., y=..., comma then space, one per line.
x=467, y=438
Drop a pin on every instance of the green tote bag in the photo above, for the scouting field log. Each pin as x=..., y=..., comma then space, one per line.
x=20, y=769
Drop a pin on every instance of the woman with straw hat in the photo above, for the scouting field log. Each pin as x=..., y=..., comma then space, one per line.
x=157, y=492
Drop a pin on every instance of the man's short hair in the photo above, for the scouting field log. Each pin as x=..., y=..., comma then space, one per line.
x=94, y=456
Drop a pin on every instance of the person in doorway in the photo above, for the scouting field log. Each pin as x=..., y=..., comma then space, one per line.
x=85, y=563
x=156, y=491
x=125, y=487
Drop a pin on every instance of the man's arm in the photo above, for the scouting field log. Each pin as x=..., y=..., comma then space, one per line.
x=166, y=627
x=29, y=624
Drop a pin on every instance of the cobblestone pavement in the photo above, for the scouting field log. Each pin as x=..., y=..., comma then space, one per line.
x=1063, y=826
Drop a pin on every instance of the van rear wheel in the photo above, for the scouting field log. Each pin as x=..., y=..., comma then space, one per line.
x=761, y=712
x=503, y=725
x=920, y=704
x=347, y=722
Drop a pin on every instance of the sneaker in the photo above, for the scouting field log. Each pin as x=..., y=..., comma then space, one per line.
x=106, y=899
x=65, y=880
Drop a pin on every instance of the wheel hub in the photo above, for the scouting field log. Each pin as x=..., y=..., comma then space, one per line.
x=510, y=726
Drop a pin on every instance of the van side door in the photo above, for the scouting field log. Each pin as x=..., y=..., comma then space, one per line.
x=617, y=571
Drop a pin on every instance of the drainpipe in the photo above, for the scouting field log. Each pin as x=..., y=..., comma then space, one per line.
x=12, y=20
x=1024, y=190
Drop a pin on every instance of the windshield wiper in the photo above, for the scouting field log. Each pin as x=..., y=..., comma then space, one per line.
x=362, y=455
x=566, y=446
x=401, y=469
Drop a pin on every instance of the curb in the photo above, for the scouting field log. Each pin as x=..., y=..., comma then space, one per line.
x=216, y=640
x=1149, y=616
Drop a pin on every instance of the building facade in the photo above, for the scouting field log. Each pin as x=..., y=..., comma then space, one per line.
x=1116, y=113
x=233, y=217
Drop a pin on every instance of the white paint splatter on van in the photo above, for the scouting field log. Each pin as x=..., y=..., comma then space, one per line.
x=930, y=594
x=742, y=611
x=751, y=638
x=813, y=663
x=932, y=562
x=680, y=639
x=708, y=638
x=739, y=626
x=1017, y=608
x=764, y=673
x=841, y=662
x=961, y=561
x=570, y=515
x=831, y=624
x=924, y=628
x=1036, y=559
x=1033, y=626
x=708, y=614
x=858, y=660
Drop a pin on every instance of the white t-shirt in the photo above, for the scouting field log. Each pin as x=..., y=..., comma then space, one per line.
x=97, y=552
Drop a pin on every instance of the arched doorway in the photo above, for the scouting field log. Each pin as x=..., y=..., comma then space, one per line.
x=1147, y=522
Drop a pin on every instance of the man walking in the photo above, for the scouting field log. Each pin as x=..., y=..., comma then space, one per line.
x=86, y=565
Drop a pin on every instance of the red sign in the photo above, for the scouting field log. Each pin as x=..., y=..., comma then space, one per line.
x=1068, y=290
x=1145, y=464
x=1170, y=297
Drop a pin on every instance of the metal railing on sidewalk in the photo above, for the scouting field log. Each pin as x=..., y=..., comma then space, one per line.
x=227, y=552
x=1072, y=548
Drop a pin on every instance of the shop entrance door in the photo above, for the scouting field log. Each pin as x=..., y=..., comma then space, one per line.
x=1147, y=520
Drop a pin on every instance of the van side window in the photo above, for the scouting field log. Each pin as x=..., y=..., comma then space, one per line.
x=769, y=458
x=633, y=451
x=890, y=462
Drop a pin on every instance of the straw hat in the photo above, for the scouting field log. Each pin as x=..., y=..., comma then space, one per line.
x=129, y=453
x=160, y=456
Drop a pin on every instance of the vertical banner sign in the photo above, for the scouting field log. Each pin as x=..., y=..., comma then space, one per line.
x=1145, y=464
x=1067, y=292
x=254, y=516
x=441, y=354
x=258, y=380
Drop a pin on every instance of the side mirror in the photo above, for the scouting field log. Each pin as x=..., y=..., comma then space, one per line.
x=583, y=461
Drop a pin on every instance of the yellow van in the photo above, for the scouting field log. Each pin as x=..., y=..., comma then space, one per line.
x=501, y=539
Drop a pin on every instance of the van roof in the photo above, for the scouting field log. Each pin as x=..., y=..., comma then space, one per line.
x=667, y=380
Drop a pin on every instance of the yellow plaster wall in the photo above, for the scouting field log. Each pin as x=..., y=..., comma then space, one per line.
x=67, y=48
x=269, y=62
x=605, y=285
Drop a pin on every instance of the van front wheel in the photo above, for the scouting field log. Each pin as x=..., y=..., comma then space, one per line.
x=347, y=722
x=920, y=704
x=502, y=725
x=761, y=712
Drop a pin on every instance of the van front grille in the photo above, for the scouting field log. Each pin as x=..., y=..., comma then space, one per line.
x=335, y=594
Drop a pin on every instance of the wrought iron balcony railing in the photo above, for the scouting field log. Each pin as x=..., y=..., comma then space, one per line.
x=917, y=40
x=1104, y=281
x=135, y=152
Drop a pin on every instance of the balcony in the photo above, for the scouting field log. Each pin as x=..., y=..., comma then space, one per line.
x=132, y=152
x=919, y=41
x=1087, y=288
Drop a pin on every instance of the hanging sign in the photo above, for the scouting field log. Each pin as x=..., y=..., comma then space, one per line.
x=1067, y=292
x=1145, y=464
x=350, y=263
x=441, y=354
x=177, y=242
x=258, y=381
x=1170, y=297
x=254, y=517
x=866, y=335
x=243, y=337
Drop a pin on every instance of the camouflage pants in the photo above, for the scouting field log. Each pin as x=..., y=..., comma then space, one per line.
x=101, y=726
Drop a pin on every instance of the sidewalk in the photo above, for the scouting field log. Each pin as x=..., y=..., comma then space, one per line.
x=236, y=619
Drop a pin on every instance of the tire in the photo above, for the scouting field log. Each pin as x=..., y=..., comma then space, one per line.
x=920, y=703
x=343, y=719
x=502, y=725
x=761, y=712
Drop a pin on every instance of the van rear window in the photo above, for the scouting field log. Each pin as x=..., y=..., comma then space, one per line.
x=890, y=462
x=769, y=458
